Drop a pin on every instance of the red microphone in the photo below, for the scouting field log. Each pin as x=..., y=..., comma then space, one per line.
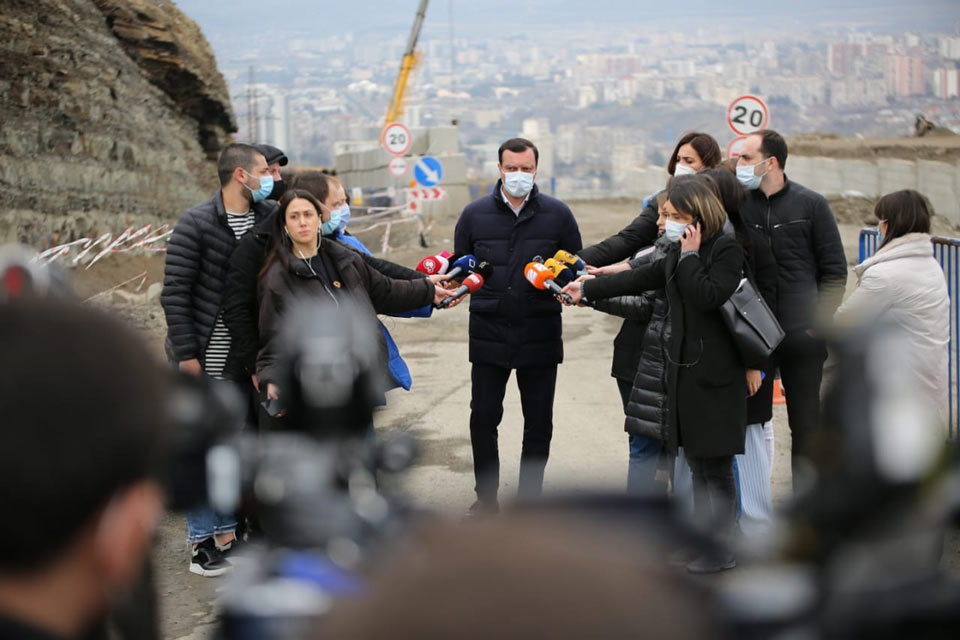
x=432, y=265
x=470, y=284
x=542, y=277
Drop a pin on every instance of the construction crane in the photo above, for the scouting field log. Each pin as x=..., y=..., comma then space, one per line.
x=410, y=59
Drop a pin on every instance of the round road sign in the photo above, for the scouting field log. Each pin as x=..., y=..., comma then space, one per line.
x=396, y=138
x=397, y=166
x=733, y=148
x=747, y=114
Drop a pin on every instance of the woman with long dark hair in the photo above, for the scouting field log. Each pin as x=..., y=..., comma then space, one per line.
x=706, y=377
x=300, y=264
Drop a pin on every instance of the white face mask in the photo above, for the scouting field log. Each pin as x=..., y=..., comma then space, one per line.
x=673, y=230
x=747, y=176
x=518, y=183
x=683, y=170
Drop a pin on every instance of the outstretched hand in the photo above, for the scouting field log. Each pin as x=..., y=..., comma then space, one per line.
x=575, y=291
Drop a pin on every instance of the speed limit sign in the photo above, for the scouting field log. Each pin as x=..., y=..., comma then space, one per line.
x=747, y=114
x=396, y=139
x=733, y=148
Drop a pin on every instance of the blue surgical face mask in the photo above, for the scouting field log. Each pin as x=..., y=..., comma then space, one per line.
x=518, y=183
x=747, y=176
x=331, y=226
x=266, y=187
x=674, y=230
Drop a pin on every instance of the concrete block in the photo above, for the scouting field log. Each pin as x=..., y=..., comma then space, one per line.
x=896, y=174
x=825, y=177
x=801, y=169
x=860, y=175
x=937, y=181
x=443, y=140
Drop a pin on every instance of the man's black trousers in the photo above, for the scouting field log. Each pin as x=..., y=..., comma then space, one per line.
x=489, y=383
x=800, y=358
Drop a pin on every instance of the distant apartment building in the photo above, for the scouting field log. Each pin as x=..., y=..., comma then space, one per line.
x=842, y=57
x=950, y=47
x=904, y=76
x=945, y=83
x=857, y=92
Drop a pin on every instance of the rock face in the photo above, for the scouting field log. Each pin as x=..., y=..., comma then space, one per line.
x=112, y=114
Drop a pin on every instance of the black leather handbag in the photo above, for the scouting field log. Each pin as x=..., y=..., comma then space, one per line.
x=754, y=328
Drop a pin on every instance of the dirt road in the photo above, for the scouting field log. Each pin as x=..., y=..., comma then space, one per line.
x=589, y=449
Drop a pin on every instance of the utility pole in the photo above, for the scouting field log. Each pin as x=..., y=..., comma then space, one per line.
x=253, y=120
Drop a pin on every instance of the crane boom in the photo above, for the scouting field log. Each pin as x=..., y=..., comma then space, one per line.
x=395, y=110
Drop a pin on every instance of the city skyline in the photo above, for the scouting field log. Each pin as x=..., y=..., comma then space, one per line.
x=603, y=101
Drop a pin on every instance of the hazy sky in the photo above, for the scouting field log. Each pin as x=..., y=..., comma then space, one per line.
x=245, y=18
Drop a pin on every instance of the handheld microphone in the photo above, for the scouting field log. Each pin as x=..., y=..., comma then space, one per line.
x=470, y=284
x=462, y=264
x=542, y=278
x=562, y=274
x=432, y=265
x=577, y=265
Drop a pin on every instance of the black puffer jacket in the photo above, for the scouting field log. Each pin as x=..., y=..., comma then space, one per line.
x=349, y=275
x=240, y=306
x=195, y=274
x=706, y=377
x=800, y=229
x=512, y=324
x=641, y=232
x=646, y=410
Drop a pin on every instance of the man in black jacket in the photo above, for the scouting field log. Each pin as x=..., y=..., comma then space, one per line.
x=194, y=278
x=812, y=271
x=512, y=324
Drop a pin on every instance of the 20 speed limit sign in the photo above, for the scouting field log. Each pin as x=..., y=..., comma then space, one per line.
x=396, y=139
x=747, y=114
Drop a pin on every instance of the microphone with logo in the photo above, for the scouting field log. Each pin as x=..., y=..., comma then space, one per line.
x=432, y=265
x=470, y=284
x=562, y=274
x=541, y=277
x=576, y=264
x=462, y=265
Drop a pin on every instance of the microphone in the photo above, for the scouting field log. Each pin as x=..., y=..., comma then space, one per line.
x=470, y=284
x=542, y=278
x=562, y=274
x=432, y=265
x=577, y=265
x=462, y=264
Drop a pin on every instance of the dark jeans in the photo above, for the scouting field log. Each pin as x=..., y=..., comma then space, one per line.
x=800, y=358
x=644, y=455
x=714, y=494
x=488, y=385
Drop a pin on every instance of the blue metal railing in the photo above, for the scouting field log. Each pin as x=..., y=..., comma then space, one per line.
x=947, y=252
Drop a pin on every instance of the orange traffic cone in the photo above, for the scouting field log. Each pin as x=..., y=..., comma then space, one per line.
x=778, y=396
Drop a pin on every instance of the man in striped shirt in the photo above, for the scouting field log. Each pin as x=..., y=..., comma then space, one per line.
x=194, y=280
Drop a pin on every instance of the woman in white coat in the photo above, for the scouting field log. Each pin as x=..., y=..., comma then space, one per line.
x=903, y=282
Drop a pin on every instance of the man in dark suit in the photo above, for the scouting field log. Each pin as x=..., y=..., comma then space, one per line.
x=513, y=326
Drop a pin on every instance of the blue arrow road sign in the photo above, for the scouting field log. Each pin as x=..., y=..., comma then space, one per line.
x=428, y=171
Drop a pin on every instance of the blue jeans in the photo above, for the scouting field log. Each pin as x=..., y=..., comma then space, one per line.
x=203, y=522
x=644, y=454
